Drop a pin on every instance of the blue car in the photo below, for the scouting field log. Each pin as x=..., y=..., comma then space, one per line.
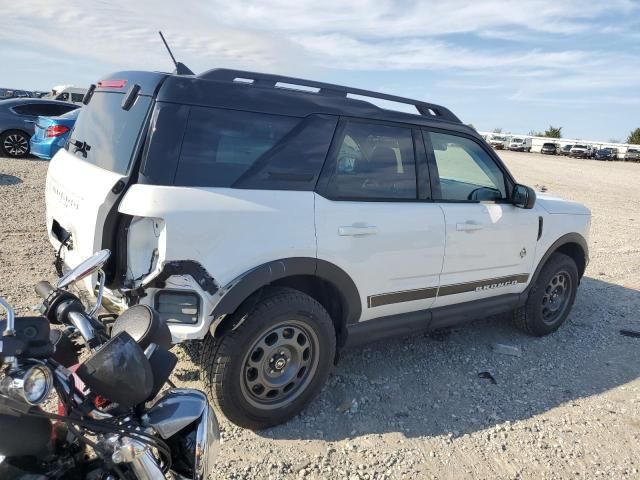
x=51, y=134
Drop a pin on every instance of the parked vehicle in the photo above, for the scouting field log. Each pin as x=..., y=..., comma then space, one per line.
x=104, y=428
x=67, y=93
x=549, y=148
x=566, y=150
x=520, y=144
x=580, y=151
x=606, y=153
x=11, y=93
x=193, y=169
x=51, y=133
x=499, y=142
x=632, y=155
x=17, y=120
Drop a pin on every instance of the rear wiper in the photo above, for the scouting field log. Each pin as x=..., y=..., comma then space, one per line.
x=82, y=147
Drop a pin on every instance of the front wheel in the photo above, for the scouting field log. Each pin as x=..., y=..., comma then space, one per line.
x=267, y=369
x=551, y=297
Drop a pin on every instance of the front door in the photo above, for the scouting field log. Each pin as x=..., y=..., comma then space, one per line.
x=490, y=243
x=372, y=222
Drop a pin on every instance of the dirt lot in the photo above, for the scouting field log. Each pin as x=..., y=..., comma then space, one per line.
x=568, y=407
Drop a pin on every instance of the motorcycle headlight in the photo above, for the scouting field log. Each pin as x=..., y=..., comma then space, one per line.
x=36, y=384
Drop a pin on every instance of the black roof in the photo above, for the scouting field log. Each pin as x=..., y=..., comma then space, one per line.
x=267, y=93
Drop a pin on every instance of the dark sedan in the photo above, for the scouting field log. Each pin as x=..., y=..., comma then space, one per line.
x=17, y=121
x=566, y=150
x=549, y=149
x=607, y=154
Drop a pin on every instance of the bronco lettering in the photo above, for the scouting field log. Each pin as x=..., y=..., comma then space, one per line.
x=496, y=285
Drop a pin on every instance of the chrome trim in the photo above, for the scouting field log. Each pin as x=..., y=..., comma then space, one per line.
x=10, y=328
x=98, y=304
x=207, y=443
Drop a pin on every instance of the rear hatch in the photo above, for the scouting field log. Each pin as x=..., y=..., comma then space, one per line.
x=87, y=178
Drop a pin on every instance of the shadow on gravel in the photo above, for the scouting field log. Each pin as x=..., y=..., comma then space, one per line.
x=444, y=384
x=9, y=179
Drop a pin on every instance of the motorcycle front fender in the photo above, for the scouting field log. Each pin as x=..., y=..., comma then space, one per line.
x=186, y=421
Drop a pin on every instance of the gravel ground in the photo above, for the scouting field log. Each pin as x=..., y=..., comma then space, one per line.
x=567, y=407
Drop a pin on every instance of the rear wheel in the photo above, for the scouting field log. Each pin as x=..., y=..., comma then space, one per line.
x=551, y=297
x=267, y=369
x=14, y=143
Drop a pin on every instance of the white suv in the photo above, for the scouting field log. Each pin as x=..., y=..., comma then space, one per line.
x=279, y=221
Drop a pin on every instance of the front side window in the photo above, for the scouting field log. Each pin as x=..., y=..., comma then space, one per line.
x=373, y=162
x=219, y=145
x=466, y=172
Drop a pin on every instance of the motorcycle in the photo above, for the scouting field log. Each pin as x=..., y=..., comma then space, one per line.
x=112, y=421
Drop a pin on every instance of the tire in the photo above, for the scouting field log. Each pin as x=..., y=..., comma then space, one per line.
x=543, y=313
x=285, y=342
x=14, y=143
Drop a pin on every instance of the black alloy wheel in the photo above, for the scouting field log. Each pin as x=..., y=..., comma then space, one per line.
x=15, y=144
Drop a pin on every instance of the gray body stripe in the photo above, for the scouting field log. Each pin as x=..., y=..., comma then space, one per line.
x=430, y=292
x=403, y=296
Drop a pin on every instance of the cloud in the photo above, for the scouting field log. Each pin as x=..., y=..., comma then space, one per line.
x=530, y=46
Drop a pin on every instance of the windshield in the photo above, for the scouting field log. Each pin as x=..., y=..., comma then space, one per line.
x=549, y=145
x=517, y=140
x=579, y=146
x=500, y=139
x=105, y=134
x=633, y=150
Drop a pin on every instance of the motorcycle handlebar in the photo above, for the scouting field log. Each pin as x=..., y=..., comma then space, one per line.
x=65, y=308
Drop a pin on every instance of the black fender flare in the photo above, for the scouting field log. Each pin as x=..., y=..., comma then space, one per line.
x=269, y=272
x=563, y=240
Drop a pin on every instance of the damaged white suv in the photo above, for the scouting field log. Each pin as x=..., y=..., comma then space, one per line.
x=280, y=220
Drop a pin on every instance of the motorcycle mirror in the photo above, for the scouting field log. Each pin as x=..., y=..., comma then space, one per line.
x=84, y=269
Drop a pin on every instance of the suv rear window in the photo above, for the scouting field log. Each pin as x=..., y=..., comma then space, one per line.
x=109, y=131
x=219, y=145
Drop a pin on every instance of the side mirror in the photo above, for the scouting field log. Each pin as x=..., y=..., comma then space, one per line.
x=523, y=196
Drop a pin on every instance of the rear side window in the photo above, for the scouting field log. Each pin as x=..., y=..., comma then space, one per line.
x=373, y=162
x=44, y=109
x=219, y=146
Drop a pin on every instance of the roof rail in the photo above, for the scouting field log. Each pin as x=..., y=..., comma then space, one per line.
x=268, y=80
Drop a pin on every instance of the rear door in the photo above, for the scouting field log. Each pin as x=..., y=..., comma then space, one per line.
x=490, y=243
x=374, y=222
x=87, y=178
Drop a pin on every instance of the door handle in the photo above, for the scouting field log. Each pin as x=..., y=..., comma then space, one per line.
x=469, y=226
x=357, y=230
x=29, y=121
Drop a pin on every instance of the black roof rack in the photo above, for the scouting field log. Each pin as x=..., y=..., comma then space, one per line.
x=268, y=80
